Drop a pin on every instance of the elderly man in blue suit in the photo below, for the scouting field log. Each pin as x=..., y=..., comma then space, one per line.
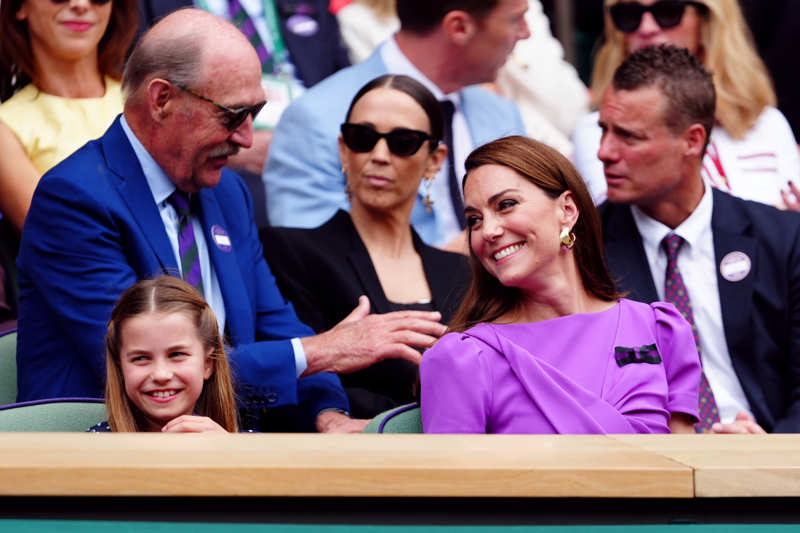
x=119, y=209
x=447, y=45
x=305, y=29
x=731, y=266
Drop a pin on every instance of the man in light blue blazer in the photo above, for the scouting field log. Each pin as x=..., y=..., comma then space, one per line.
x=103, y=219
x=447, y=46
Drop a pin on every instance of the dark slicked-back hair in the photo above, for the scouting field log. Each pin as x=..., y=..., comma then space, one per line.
x=423, y=16
x=16, y=54
x=415, y=90
x=686, y=84
x=487, y=299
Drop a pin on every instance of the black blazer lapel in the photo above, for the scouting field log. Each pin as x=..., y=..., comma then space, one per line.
x=134, y=191
x=732, y=233
x=625, y=254
x=438, y=278
x=359, y=260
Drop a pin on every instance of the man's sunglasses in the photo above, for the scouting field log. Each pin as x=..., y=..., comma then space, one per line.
x=401, y=141
x=234, y=116
x=95, y=2
x=668, y=13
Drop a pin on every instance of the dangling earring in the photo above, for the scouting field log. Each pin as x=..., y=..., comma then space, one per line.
x=427, y=201
x=347, y=189
x=567, y=238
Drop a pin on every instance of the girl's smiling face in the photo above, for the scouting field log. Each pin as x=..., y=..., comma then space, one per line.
x=164, y=365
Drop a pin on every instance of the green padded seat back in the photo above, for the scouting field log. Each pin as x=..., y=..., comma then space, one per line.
x=403, y=419
x=8, y=368
x=52, y=416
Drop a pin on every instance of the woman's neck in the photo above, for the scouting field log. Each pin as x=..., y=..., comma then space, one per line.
x=560, y=294
x=384, y=233
x=69, y=79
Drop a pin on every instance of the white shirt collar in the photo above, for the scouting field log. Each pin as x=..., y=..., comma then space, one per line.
x=397, y=63
x=691, y=229
x=160, y=185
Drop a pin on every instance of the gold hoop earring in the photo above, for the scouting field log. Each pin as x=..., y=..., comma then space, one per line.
x=427, y=201
x=567, y=239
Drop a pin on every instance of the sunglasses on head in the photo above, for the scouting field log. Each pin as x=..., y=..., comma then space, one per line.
x=401, y=141
x=668, y=13
x=95, y=2
x=234, y=116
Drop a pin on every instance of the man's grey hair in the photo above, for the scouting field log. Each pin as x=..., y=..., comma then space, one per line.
x=176, y=59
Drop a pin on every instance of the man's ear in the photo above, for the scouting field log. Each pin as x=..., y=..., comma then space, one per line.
x=159, y=96
x=459, y=26
x=695, y=137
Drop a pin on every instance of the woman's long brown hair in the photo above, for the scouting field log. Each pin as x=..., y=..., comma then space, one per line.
x=487, y=299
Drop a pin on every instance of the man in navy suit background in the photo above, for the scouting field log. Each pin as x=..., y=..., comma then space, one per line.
x=739, y=260
x=103, y=219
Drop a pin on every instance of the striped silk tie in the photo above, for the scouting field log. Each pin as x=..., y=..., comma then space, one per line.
x=187, y=245
x=675, y=293
x=242, y=20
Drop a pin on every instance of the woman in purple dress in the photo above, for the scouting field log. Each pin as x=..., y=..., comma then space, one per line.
x=543, y=343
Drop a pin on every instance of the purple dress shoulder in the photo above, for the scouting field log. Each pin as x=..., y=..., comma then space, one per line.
x=604, y=372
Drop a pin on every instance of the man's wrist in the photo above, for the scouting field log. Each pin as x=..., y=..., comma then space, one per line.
x=334, y=410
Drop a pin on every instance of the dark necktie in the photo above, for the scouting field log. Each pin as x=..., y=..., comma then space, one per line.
x=675, y=293
x=448, y=109
x=242, y=20
x=187, y=245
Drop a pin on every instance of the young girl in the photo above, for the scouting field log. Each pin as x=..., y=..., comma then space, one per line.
x=166, y=368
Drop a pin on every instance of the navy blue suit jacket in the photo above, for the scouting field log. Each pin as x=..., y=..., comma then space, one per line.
x=314, y=56
x=93, y=230
x=760, y=314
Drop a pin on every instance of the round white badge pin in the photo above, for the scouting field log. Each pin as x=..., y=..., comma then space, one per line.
x=735, y=266
x=221, y=238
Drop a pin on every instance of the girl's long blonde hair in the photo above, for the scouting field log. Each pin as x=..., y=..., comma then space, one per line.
x=168, y=294
x=743, y=85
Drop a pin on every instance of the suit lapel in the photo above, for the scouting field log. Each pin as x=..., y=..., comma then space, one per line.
x=625, y=254
x=359, y=260
x=223, y=258
x=135, y=192
x=438, y=278
x=731, y=230
x=478, y=117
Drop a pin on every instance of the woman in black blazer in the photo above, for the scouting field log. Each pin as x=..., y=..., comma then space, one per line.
x=390, y=142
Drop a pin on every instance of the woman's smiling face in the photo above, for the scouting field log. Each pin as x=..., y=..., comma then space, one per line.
x=514, y=225
x=67, y=31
